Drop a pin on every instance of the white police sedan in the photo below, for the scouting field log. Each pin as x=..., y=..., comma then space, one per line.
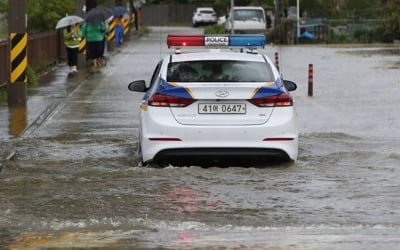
x=216, y=105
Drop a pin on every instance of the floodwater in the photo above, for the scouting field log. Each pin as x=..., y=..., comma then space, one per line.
x=76, y=179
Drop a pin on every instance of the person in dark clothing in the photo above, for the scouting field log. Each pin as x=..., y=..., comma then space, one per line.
x=95, y=34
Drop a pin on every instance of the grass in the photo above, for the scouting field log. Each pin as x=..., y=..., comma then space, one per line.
x=33, y=81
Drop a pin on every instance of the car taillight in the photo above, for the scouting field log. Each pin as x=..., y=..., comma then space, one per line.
x=161, y=100
x=281, y=100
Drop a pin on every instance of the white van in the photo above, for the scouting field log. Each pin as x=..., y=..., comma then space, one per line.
x=248, y=19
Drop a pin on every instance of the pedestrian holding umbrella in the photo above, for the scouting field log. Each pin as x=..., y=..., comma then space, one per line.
x=119, y=12
x=95, y=30
x=72, y=38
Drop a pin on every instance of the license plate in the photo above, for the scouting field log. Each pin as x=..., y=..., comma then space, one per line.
x=222, y=108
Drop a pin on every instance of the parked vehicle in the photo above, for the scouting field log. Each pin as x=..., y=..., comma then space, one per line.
x=249, y=19
x=204, y=15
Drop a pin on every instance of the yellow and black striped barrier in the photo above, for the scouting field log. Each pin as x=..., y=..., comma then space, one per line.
x=111, y=31
x=126, y=26
x=18, y=57
x=82, y=46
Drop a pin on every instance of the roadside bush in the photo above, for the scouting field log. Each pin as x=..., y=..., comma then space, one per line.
x=363, y=36
x=282, y=34
x=32, y=77
x=32, y=81
x=371, y=35
x=385, y=37
x=337, y=37
x=215, y=29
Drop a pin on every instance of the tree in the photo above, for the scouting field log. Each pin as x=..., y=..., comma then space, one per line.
x=361, y=9
x=44, y=14
x=321, y=8
x=3, y=6
x=392, y=19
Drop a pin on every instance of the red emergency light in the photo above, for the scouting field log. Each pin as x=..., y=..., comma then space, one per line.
x=185, y=40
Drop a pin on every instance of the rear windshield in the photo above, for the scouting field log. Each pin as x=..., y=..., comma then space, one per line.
x=206, y=11
x=244, y=15
x=219, y=71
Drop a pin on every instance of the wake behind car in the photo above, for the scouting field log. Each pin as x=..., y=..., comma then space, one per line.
x=216, y=105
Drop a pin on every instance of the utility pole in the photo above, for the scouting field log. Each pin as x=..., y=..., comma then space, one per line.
x=110, y=43
x=232, y=16
x=277, y=12
x=17, y=22
x=138, y=4
x=298, y=20
x=80, y=11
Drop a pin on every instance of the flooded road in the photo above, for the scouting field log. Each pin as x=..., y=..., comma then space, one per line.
x=76, y=180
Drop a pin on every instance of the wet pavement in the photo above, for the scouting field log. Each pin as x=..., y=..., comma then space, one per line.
x=76, y=180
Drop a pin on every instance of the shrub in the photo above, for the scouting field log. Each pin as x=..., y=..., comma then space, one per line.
x=32, y=76
x=215, y=29
x=282, y=34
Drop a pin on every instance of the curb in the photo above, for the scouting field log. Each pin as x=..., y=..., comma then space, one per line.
x=11, y=156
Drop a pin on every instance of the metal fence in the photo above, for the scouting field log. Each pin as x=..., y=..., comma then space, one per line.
x=44, y=49
x=167, y=14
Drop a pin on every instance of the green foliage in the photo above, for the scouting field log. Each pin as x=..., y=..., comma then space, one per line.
x=391, y=26
x=44, y=14
x=3, y=6
x=326, y=8
x=215, y=29
x=32, y=76
x=282, y=33
x=337, y=37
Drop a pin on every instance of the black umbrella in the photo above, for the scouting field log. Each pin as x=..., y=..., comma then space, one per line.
x=98, y=14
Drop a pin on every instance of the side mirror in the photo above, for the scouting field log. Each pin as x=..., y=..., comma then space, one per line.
x=289, y=85
x=138, y=86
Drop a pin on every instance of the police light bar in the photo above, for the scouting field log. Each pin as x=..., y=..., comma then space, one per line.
x=216, y=41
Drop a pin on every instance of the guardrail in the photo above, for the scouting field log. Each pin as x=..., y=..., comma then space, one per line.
x=43, y=49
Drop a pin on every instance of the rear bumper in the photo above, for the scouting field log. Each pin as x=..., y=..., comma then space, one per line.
x=163, y=139
x=230, y=156
x=205, y=20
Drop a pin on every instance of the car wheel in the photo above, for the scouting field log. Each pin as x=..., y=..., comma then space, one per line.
x=195, y=24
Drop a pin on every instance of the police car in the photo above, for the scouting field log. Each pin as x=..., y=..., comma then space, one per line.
x=226, y=104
